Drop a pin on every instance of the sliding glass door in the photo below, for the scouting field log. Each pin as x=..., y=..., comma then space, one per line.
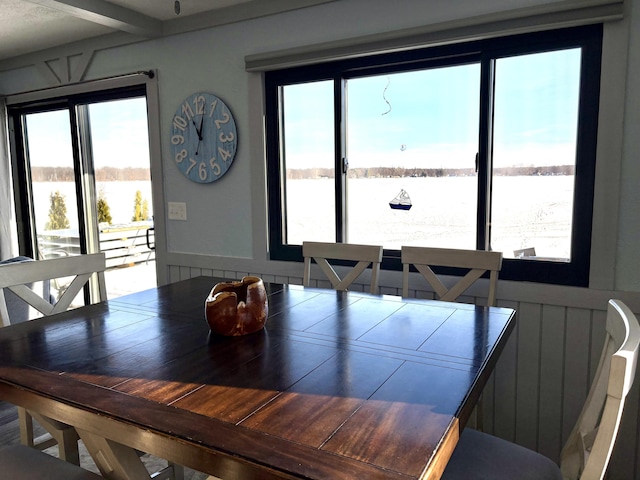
x=83, y=184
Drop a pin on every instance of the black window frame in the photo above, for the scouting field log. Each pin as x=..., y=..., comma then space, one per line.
x=588, y=38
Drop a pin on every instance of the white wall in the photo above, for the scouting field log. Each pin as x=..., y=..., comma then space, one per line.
x=226, y=230
x=628, y=259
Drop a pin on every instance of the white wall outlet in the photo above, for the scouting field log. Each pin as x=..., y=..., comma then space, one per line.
x=177, y=211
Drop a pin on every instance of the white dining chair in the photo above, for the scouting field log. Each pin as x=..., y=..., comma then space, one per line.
x=322, y=253
x=587, y=451
x=17, y=277
x=19, y=462
x=475, y=262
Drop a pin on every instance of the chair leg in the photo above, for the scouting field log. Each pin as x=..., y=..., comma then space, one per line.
x=26, y=427
x=66, y=437
x=25, y=420
x=63, y=435
x=178, y=471
x=172, y=472
x=476, y=420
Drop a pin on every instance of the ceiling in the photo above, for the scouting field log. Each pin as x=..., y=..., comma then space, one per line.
x=28, y=26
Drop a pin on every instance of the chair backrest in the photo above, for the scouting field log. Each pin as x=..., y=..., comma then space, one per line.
x=588, y=449
x=17, y=276
x=365, y=255
x=476, y=262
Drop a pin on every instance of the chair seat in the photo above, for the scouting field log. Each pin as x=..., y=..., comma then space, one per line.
x=479, y=456
x=19, y=462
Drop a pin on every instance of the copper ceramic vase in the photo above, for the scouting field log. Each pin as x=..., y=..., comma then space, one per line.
x=237, y=308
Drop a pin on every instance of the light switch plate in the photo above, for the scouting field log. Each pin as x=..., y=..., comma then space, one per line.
x=177, y=211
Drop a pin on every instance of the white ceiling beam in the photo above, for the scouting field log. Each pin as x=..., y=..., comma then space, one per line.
x=236, y=13
x=107, y=14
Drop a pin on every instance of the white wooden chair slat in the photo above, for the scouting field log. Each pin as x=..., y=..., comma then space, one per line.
x=493, y=286
x=32, y=298
x=451, y=257
x=21, y=273
x=350, y=277
x=462, y=285
x=64, y=301
x=431, y=278
x=4, y=314
x=321, y=253
x=328, y=270
x=476, y=262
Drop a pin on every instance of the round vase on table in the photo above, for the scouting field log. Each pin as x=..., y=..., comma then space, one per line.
x=238, y=307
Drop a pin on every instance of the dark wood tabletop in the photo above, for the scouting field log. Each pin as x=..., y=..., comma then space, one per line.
x=338, y=385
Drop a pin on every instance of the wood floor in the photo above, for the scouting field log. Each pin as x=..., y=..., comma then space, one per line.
x=10, y=435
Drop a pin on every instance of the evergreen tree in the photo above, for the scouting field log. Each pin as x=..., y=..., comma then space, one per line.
x=145, y=209
x=57, y=212
x=140, y=208
x=104, y=212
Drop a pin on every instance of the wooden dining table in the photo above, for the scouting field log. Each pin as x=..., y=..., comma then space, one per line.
x=338, y=385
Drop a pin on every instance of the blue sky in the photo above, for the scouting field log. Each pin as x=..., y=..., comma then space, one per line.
x=429, y=118
x=119, y=135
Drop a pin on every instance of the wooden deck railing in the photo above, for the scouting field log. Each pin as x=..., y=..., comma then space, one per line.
x=123, y=245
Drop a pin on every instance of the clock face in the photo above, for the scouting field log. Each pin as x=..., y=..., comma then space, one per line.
x=203, y=138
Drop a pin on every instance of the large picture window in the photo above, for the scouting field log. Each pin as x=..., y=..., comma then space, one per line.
x=487, y=145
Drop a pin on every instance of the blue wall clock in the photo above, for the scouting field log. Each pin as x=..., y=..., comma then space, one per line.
x=204, y=139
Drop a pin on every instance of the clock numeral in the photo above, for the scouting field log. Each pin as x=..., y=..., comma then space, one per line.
x=177, y=139
x=225, y=119
x=215, y=167
x=179, y=123
x=192, y=163
x=227, y=138
x=187, y=110
x=202, y=171
x=181, y=155
x=199, y=102
x=214, y=104
x=224, y=154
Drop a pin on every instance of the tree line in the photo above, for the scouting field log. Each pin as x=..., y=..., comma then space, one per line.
x=58, y=219
x=104, y=174
x=128, y=174
x=398, y=172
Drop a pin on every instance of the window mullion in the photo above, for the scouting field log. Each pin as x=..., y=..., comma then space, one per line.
x=76, y=141
x=87, y=180
x=341, y=162
x=485, y=152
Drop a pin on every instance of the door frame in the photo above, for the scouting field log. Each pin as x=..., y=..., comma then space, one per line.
x=149, y=81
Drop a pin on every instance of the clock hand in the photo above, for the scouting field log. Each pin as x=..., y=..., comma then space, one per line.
x=198, y=131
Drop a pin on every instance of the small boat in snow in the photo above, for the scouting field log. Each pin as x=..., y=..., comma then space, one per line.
x=402, y=201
